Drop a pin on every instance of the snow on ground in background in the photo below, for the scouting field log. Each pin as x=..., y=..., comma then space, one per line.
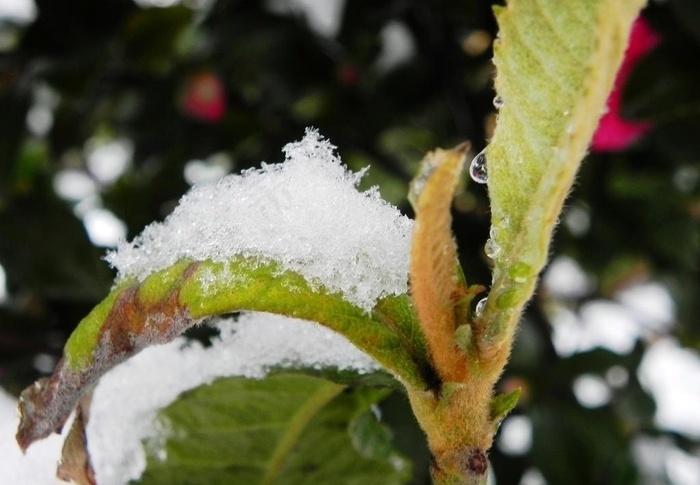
x=652, y=305
x=638, y=311
x=668, y=371
x=23, y=11
x=3, y=285
x=672, y=374
x=134, y=391
x=38, y=465
x=306, y=214
x=661, y=461
x=564, y=279
x=600, y=323
x=323, y=16
x=397, y=46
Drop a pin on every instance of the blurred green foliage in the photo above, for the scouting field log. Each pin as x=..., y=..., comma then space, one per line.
x=111, y=70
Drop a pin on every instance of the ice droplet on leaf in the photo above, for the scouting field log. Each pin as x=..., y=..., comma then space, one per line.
x=477, y=169
x=491, y=248
x=479, y=310
x=425, y=171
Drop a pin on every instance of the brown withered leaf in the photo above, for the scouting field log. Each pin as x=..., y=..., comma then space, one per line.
x=75, y=462
x=130, y=325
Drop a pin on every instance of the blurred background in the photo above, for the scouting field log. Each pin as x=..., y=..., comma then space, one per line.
x=110, y=110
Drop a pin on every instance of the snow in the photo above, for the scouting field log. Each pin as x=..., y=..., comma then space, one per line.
x=599, y=323
x=566, y=279
x=672, y=374
x=305, y=213
x=640, y=311
x=515, y=435
x=134, y=391
x=38, y=466
x=323, y=16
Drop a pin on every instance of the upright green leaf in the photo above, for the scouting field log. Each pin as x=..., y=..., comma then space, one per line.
x=556, y=63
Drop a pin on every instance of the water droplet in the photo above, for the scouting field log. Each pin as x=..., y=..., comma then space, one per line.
x=477, y=169
x=492, y=232
x=426, y=170
x=479, y=309
x=491, y=248
x=498, y=102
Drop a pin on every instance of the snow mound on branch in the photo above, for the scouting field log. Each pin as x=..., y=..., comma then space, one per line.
x=305, y=213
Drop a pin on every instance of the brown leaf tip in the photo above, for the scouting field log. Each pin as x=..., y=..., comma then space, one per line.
x=45, y=406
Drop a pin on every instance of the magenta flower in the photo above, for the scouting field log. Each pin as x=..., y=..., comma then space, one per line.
x=203, y=97
x=614, y=132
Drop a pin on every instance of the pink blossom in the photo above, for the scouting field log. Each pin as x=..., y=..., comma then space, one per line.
x=614, y=132
x=203, y=97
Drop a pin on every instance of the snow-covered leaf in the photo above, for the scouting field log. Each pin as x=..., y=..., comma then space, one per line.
x=295, y=239
x=136, y=315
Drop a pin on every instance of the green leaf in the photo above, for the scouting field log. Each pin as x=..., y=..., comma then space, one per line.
x=556, y=63
x=168, y=302
x=286, y=429
x=503, y=404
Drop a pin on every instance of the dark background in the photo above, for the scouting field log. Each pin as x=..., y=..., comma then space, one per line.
x=111, y=70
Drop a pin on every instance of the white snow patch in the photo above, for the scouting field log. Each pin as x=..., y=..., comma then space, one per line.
x=134, y=391
x=107, y=161
x=662, y=462
x=23, y=11
x=397, y=46
x=38, y=465
x=672, y=375
x=566, y=279
x=600, y=323
x=305, y=214
x=515, y=435
x=3, y=285
x=210, y=170
x=323, y=16
x=592, y=391
x=103, y=227
x=74, y=184
x=651, y=304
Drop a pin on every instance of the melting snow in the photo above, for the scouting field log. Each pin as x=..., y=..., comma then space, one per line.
x=38, y=465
